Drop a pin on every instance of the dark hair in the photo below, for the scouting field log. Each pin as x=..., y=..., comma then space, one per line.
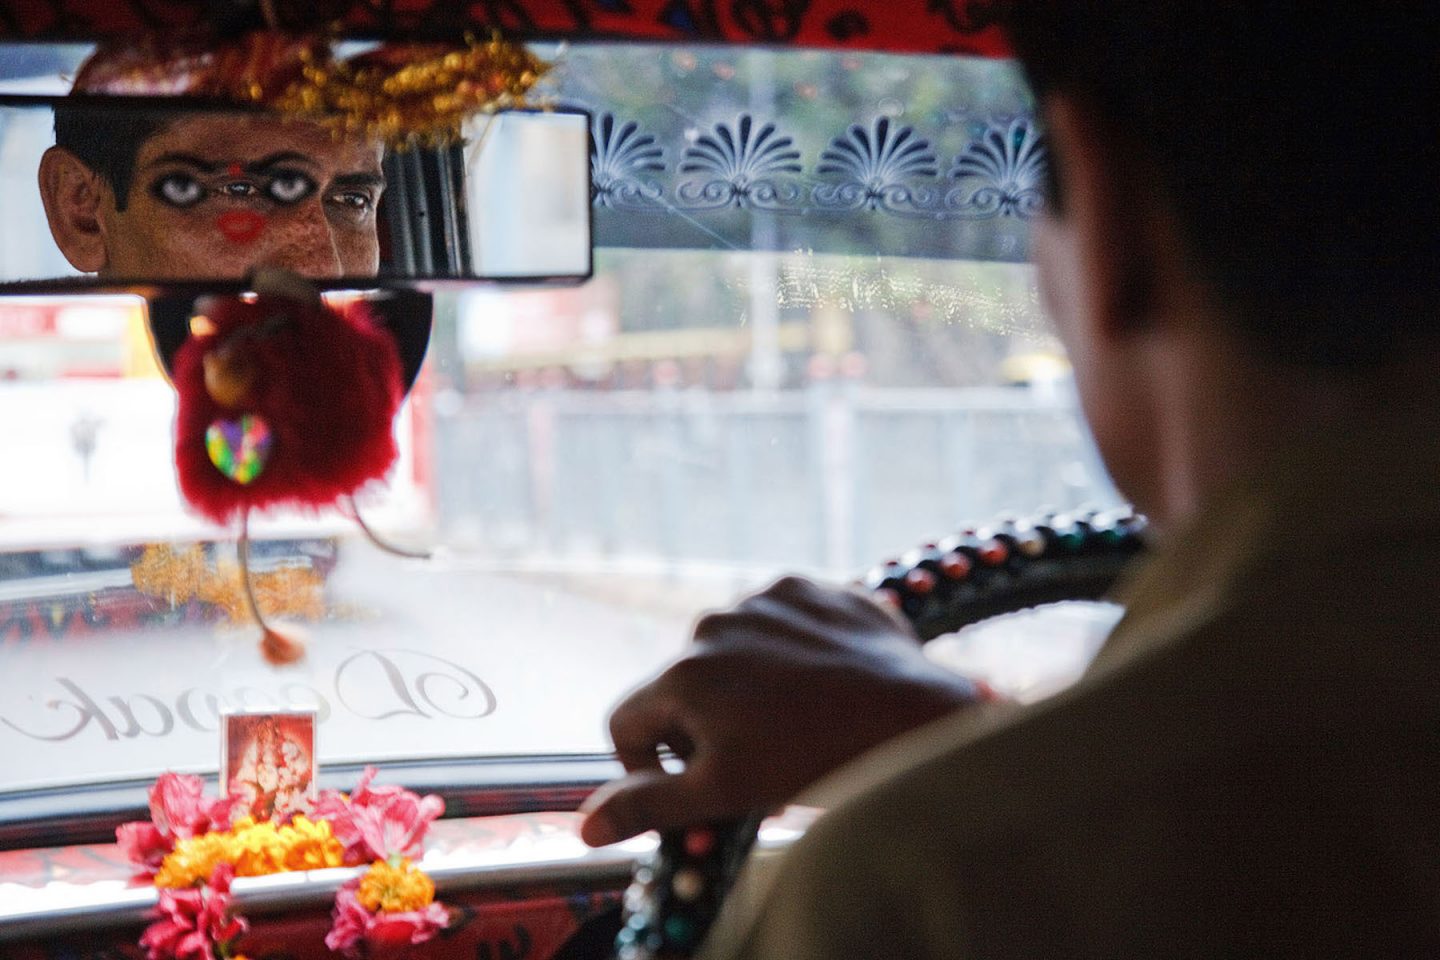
x=1298, y=142
x=107, y=139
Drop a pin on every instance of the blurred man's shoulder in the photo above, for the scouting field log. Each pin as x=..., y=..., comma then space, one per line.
x=1244, y=729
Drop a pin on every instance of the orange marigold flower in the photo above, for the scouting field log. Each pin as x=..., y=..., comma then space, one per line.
x=193, y=860
x=258, y=848
x=254, y=849
x=388, y=888
x=310, y=845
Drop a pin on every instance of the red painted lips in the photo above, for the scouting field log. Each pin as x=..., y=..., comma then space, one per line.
x=240, y=226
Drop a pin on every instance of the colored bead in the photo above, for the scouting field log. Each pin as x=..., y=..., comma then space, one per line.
x=240, y=447
x=1030, y=544
x=992, y=553
x=688, y=885
x=887, y=598
x=699, y=843
x=920, y=581
x=955, y=566
x=679, y=931
x=637, y=898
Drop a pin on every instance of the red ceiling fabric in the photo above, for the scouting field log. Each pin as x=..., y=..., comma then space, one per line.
x=901, y=26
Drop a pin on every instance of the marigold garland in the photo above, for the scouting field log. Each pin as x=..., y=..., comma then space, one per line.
x=193, y=849
x=254, y=849
x=395, y=888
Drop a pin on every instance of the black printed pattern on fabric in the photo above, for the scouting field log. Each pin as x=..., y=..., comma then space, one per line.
x=736, y=21
x=885, y=168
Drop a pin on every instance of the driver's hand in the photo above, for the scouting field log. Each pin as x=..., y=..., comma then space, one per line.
x=781, y=690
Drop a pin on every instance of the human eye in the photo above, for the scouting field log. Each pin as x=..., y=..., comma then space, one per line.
x=178, y=190
x=289, y=186
x=238, y=189
x=356, y=203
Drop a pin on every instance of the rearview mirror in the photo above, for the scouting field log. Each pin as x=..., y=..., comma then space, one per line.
x=126, y=192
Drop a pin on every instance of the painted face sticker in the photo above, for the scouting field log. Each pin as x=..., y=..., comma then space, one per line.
x=179, y=190
x=287, y=186
x=280, y=185
x=240, y=226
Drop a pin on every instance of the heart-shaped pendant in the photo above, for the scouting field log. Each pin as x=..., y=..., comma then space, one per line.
x=239, y=447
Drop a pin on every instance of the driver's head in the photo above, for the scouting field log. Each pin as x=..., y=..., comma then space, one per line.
x=1249, y=180
x=133, y=193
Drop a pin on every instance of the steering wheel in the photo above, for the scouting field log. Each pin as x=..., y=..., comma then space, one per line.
x=972, y=576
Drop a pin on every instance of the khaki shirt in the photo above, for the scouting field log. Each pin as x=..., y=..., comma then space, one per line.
x=1250, y=767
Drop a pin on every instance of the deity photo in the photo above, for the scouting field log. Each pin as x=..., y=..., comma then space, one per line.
x=268, y=759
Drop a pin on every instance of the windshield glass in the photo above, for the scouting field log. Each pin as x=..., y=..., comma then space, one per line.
x=811, y=342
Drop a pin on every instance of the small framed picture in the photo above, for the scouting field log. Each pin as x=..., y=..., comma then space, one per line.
x=268, y=760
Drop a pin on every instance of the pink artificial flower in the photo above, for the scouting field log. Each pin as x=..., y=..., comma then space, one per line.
x=178, y=806
x=364, y=794
x=397, y=825
x=179, y=810
x=376, y=823
x=223, y=812
x=192, y=923
x=356, y=931
x=143, y=844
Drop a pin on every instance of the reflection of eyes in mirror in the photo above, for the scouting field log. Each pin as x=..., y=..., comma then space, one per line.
x=172, y=192
x=283, y=186
x=178, y=190
x=289, y=186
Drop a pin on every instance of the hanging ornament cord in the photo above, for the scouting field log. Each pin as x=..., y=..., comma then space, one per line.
x=376, y=539
x=278, y=648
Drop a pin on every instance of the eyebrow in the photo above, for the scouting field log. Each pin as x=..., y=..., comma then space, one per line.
x=275, y=159
x=210, y=166
x=358, y=180
x=188, y=159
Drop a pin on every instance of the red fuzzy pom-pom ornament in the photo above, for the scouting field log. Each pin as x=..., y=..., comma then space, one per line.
x=285, y=402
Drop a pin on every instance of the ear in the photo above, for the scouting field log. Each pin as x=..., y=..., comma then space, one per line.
x=1111, y=212
x=73, y=194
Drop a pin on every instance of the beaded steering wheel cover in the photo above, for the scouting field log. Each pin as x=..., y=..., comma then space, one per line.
x=941, y=587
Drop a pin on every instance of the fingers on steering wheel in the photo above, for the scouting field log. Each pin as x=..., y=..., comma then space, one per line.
x=756, y=620
x=648, y=800
x=645, y=722
x=794, y=608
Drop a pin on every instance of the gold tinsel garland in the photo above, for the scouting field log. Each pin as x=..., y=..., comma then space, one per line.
x=179, y=576
x=401, y=93
x=423, y=92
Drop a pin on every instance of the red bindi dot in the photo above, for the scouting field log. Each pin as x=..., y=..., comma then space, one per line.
x=234, y=170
